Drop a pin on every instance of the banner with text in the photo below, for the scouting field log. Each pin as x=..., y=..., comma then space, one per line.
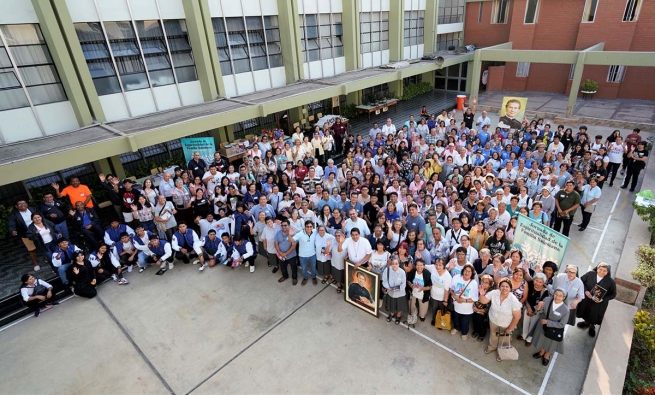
x=204, y=145
x=538, y=242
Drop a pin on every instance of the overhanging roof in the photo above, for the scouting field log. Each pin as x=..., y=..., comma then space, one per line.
x=30, y=158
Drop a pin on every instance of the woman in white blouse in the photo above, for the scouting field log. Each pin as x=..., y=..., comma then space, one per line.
x=464, y=290
x=149, y=191
x=323, y=247
x=504, y=312
x=396, y=234
x=393, y=281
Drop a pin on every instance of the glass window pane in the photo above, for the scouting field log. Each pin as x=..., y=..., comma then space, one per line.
x=129, y=65
x=8, y=79
x=275, y=60
x=124, y=48
x=259, y=63
x=106, y=85
x=30, y=55
x=312, y=32
x=235, y=24
x=4, y=58
x=148, y=29
x=384, y=25
x=366, y=38
x=221, y=40
x=312, y=44
x=38, y=75
x=218, y=24
x=22, y=34
x=375, y=36
x=254, y=23
x=257, y=50
x=366, y=27
x=375, y=26
x=241, y=66
x=239, y=53
x=157, y=62
x=182, y=59
x=101, y=69
x=325, y=43
x=365, y=17
x=226, y=68
x=313, y=55
x=325, y=31
x=89, y=32
x=274, y=35
x=337, y=29
x=452, y=84
x=336, y=42
x=134, y=81
x=270, y=21
x=375, y=46
x=237, y=39
x=274, y=48
x=366, y=48
x=182, y=43
x=175, y=28
x=153, y=46
x=119, y=30
x=223, y=54
x=337, y=51
x=311, y=20
x=162, y=77
x=43, y=94
x=12, y=98
x=326, y=53
x=384, y=45
x=324, y=19
x=95, y=51
x=255, y=37
x=185, y=74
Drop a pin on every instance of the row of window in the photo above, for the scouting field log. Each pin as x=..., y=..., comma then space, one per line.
x=152, y=55
x=451, y=11
x=413, y=28
x=321, y=36
x=27, y=72
x=374, y=33
x=615, y=73
x=500, y=11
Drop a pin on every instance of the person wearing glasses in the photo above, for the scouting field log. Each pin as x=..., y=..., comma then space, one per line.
x=573, y=287
x=306, y=251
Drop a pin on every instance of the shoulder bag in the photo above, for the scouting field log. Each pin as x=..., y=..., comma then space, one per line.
x=556, y=334
x=506, y=351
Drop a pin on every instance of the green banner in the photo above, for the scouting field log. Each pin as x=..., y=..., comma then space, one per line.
x=538, y=242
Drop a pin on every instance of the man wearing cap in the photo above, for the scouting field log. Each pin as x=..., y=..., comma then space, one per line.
x=478, y=158
x=463, y=158
x=566, y=202
x=160, y=253
x=128, y=196
x=503, y=215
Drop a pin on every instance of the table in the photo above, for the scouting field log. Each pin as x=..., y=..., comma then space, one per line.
x=330, y=119
x=382, y=106
x=236, y=156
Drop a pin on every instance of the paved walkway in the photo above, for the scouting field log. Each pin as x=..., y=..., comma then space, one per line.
x=629, y=110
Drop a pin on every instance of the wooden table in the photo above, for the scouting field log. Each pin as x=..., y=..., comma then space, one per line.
x=383, y=107
x=237, y=156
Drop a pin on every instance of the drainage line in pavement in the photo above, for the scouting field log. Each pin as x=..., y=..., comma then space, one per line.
x=256, y=340
x=138, y=349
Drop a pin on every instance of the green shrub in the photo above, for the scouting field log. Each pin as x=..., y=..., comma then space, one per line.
x=413, y=90
x=645, y=271
x=349, y=111
x=589, y=86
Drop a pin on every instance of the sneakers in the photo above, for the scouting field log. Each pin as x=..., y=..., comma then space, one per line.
x=171, y=266
x=464, y=337
x=195, y=262
x=37, y=312
x=141, y=269
x=202, y=267
x=252, y=269
x=246, y=264
x=36, y=269
x=129, y=269
x=453, y=331
x=114, y=277
x=123, y=281
x=622, y=172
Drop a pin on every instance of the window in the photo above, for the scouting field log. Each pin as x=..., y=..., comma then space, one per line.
x=26, y=66
x=572, y=71
x=451, y=11
x=522, y=69
x=246, y=41
x=378, y=91
x=590, y=11
x=415, y=79
x=413, y=28
x=631, y=10
x=321, y=36
x=452, y=78
x=446, y=41
x=480, y=12
x=531, y=11
x=616, y=73
x=182, y=57
x=374, y=34
x=499, y=11
x=155, y=53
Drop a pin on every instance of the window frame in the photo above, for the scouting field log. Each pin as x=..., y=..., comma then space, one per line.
x=535, y=17
x=321, y=44
x=635, y=10
x=496, y=7
x=522, y=69
x=414, y=31
x=616, y=74
x=586, y=12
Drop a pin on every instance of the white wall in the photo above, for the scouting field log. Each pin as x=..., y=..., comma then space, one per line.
x=21, y=12
x=450, y=28
x=19, y=124
x=231, y=8
x=57, y=117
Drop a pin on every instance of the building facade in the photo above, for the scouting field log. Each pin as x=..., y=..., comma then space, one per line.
x=125, y=79
x=565, y=25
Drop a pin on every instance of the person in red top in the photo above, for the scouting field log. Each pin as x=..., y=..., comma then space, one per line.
x=340, y=130
x=76, y=192
x=301, y=172
x=631, y=141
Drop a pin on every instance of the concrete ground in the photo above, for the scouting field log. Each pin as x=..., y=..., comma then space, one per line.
x=630, y=110
x=229, y=331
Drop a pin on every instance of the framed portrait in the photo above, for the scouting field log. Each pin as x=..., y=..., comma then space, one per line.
x=512, y=112
x=362, y=288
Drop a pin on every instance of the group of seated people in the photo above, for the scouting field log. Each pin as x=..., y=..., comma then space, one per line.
x=405, y=202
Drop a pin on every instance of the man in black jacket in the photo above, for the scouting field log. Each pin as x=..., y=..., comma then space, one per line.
x=19, y=219
x=107, y=184
x=87, y=222
x=53, y=210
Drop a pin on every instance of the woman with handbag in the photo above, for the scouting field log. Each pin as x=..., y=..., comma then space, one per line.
x=549, y=331
x=465, y=292
x=440, y=291
x=599, y=288
x=504, y=313
x=481, y=310
x=420, y=281
x=393, y=281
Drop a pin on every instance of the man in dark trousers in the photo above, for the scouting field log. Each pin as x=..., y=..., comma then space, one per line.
x=19, y=219
x=638, y=158
x=53, y=210
x=196, y=166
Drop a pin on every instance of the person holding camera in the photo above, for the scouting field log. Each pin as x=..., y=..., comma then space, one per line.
x=567, y=200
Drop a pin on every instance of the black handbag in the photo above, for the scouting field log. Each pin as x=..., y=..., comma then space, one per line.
x=556, y=334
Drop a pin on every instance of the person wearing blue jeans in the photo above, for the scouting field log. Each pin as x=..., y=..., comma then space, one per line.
x=62, y=257
x=306, y=251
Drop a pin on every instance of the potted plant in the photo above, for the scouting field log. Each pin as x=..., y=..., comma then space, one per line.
x=589, y=87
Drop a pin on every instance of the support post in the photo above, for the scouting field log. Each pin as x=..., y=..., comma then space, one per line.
x=289, y=35
x=204, y=49
x=396, y=19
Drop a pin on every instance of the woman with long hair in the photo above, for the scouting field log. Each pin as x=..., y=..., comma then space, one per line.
x=144, y=211
x=82, y=275
x=396, y=234
x=464, y=290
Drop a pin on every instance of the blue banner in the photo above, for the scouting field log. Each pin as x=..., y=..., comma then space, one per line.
x=204, y=145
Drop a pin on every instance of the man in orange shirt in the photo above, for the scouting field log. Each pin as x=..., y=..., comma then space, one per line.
x=76, y=192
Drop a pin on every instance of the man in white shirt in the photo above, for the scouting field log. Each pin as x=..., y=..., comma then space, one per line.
x=206, y=224
x=462, y=159
x=503, y=215
x=508, y=175
x=454, y=234
x=212, y=178
x=358, y=248
x=471, y=252
x=374, y=131
x=483, y=120
x=306, y=214
x=356, y=222
x=388, y=128
x=556, y=147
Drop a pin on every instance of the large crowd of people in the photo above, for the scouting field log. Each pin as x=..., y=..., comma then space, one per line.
x=430, y=205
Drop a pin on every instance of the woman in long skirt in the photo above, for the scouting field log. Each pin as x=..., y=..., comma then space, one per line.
x=323, y=248
x=394, y=281
x=338, y=260
x=599, y=288
x=553, y=313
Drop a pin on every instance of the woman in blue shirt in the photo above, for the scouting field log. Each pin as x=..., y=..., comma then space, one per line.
x=590, y=195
